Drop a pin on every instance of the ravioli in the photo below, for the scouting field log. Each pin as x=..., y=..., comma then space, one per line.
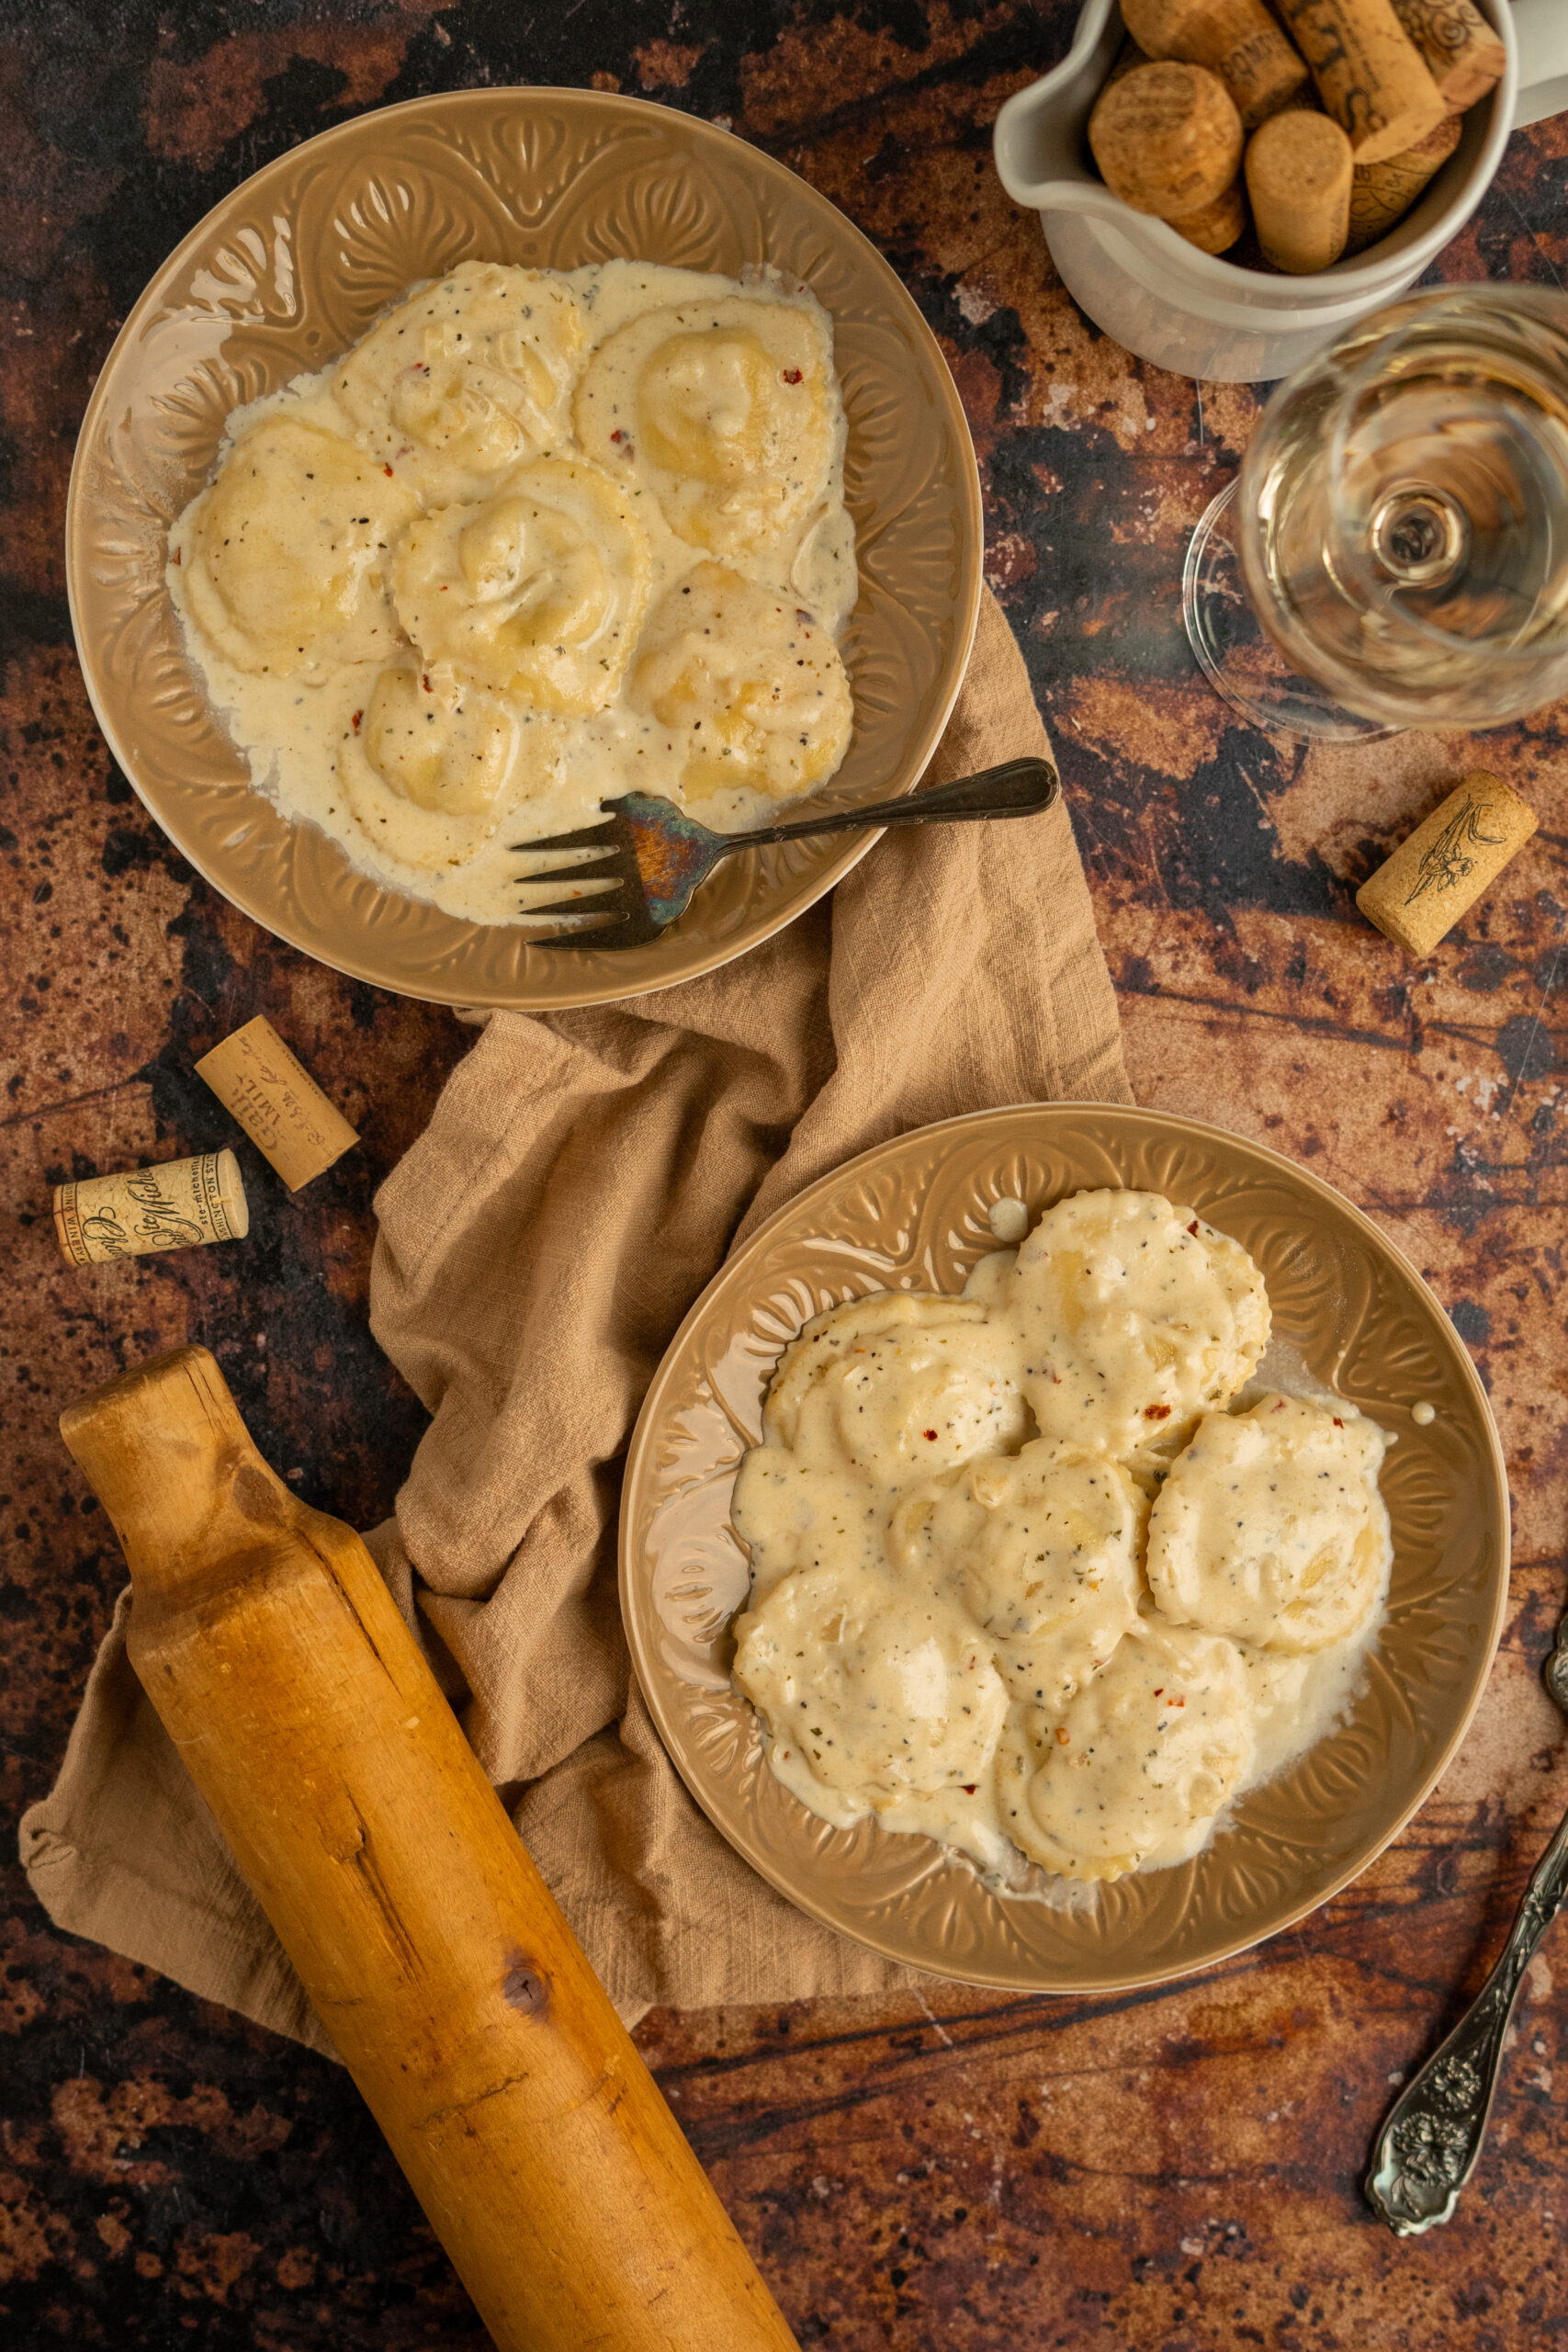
x=753, y=690
x=873, y=1691
x=284, y=557
x=895, y=1385
x=1270, y=1527
x=538, y=593
x=499, y=630
x=1135, y=1317
x=1042, y=1549
x=986, y=1460
x=725, y=409
x=1138, y=1767
x=427, y=772
x=468, y=378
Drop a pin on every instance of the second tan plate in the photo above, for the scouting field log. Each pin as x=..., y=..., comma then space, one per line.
x=913, y=1215
x=287, y=272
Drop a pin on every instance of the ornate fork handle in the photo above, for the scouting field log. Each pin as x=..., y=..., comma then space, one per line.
x=1020, y=787
x=1428, y=2147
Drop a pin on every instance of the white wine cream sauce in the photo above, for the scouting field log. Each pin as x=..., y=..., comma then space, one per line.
x=540, y=539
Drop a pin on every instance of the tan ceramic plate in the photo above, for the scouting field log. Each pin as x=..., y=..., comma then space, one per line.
x=286, y=272
x=912, y=1214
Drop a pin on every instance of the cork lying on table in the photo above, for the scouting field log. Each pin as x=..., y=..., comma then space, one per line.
x=272, y=1094
x=1447, y=862
x=183, y=1205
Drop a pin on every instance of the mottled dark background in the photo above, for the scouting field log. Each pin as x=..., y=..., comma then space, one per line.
x=1176, y=2170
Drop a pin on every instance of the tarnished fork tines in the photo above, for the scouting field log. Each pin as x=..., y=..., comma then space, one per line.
x=652, y=856
x=1432, y=2135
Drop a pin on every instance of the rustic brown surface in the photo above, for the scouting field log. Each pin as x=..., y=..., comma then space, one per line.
x=1166, y=2173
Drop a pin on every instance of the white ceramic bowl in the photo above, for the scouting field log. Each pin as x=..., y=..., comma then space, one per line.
x=1198, y=314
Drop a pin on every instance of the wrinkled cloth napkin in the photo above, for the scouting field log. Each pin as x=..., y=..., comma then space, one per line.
x=584, y=1176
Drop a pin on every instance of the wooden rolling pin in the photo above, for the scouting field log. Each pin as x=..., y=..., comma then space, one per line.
x=534, y=2136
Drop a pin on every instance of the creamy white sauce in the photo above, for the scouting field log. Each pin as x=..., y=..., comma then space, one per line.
x=538, y=391
x=969, y=1630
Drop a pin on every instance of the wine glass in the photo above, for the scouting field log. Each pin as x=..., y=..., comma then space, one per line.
x=1394, y=551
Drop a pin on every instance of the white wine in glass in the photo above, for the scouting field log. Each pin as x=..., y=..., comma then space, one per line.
x=1399, y=529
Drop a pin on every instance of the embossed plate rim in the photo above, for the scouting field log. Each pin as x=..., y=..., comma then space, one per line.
x=427, y=954
x=661, y=1682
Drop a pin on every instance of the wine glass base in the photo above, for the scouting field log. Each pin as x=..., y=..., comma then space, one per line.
x=1240, y=662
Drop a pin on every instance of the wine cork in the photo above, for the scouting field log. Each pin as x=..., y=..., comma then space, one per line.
x=183, y=1205
x=1382, y=194
x=1237, y=39
x=1298, y=179
x=1370, y=75
x=277, y=1101
x=1458, y=47
x=1217, y=227
x=1167, y=139
x=1447, y=863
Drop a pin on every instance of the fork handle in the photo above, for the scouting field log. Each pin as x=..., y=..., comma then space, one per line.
x=1431, y=2138
x=1018, y=788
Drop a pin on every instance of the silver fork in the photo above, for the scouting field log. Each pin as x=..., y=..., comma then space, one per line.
x=654, y=855
x=1428, y=2147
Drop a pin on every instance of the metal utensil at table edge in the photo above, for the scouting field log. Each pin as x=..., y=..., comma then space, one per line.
x=652, y=856
x=1431, y=2138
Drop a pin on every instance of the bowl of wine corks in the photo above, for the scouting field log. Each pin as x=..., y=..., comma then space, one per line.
x=1316, y=132
x=1225, y=185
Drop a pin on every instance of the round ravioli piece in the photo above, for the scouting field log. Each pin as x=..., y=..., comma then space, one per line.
x=1137, y=1767
x=1270, y=1527
x=725, y=409
x=428, y=774
x=284, y=559
x=895, y=1385
x=468, y=378
x=1135, y=1317
x=753, y=690
x=1042, y=1547
x=869, y=1691
x=792, y=1513
x=538, y=592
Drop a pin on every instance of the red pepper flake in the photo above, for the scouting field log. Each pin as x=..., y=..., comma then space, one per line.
x=931, y=1435
x=387, y=471
x=792, y=375
x=177, y=555
x=1064, y=1736
x=1338, y=1422
x=1160, y=1693
x=1281, y=1406
x=354, y=722
x=617, y=434
x=969, y=1787
x=424, y=679
x=1193, y=1227
x=1156, y=1412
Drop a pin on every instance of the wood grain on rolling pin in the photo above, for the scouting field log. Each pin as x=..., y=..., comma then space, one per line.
x=554, y=2173
x=1368, y=73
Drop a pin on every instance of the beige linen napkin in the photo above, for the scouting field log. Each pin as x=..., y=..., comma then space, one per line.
x=584, y=1176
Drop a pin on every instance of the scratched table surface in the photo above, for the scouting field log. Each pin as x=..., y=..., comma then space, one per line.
x=1178, y=2169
